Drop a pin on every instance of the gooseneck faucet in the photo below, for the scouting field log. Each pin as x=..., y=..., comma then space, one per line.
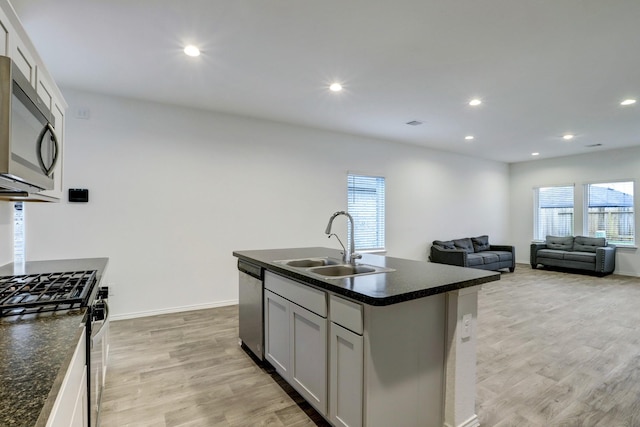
x=348, y=256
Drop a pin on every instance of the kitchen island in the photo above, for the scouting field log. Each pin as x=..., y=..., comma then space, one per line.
x=396, y=347
x=37, y=349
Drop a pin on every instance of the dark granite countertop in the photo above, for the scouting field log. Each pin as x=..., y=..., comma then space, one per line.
x=35, y=350
x=410, y=280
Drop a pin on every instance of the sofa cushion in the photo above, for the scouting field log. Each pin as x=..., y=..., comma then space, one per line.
x=502, y=255
x=488, y=257
x=589, y=257
x=561, y=243
x=588, y=244
x=480, y=243
x=474, y=259
x=551, y=253
x=448, y=244
x=464, y=244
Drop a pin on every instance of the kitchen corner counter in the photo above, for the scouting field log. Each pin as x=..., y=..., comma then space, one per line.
x=36, y=349
x=409, y=280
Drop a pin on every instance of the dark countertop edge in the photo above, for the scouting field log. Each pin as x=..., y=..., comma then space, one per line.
x=382, y=301
x=45, y=412
x=99, y=264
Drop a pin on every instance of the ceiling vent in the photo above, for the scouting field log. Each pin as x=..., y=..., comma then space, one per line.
x=414, y=123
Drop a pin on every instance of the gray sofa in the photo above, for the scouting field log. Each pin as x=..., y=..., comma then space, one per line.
x=474, y=252
x=580, y=252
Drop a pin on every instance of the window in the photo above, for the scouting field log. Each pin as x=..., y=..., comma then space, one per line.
x=609, y=209
x=553, y=212
x=366, y=205
x=18, y=232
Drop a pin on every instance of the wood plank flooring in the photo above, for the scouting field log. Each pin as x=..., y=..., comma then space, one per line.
x=554, y=349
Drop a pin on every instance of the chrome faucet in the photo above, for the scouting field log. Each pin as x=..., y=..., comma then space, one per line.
x=348, y=256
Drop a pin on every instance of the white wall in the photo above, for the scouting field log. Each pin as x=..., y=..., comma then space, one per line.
x=604, y=166
x=173, y=191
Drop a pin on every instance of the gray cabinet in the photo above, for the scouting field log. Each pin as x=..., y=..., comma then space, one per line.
x=345, y=370
x=296, y=336
x=276, y=332
x=309, y=356
x=346, y=364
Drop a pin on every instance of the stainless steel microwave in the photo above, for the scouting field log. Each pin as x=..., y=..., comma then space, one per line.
x=28, y=144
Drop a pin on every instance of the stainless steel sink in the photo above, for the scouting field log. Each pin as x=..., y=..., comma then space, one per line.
x=342, y=270
x=309, y=262
x=347, y=270
x=331, y=268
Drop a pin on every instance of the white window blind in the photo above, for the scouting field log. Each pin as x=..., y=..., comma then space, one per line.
x=553, y=211
x=610, y=212
x=366, y=206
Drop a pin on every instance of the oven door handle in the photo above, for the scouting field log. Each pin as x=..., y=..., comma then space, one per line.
x=96, y=336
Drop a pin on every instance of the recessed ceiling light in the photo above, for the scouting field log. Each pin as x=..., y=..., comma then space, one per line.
x=335, y=87
x=535, y=154
x=191, y=50
x=469, y=137
x=568, y=137
x=628, y=102
x=475, y=102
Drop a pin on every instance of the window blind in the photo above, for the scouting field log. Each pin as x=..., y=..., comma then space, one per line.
x=610, y=212
x=554, y=211
x=366, y=204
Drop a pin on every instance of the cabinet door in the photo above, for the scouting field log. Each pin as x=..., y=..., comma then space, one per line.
x=309, y=356
x=276, y=332
x=345, y=377
x=5, y=32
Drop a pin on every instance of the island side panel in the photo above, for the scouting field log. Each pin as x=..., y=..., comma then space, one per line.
x=404, y=363
x=460, y=376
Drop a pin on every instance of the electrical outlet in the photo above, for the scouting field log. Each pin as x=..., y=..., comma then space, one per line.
x=466, y=326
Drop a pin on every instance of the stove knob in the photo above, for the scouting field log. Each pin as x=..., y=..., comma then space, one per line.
x=103, y=292
x=97, y=312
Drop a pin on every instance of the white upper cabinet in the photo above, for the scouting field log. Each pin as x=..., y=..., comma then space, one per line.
x=15, y=43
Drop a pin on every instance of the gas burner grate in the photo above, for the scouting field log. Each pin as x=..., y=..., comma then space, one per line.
x=38, y=293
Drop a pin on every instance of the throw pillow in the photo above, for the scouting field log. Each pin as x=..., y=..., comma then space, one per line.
x=444, y=245
x=481, y=243
x=464, y=244
x=562, y=243
x=588, y=244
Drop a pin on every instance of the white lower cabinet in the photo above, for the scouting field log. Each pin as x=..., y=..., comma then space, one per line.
x=345, y=377
x=71, y=404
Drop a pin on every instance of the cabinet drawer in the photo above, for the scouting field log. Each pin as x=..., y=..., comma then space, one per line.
x=305, y=296
x=346, y=313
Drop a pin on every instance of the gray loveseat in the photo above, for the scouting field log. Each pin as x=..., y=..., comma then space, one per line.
x=584, y=253
x=474, y=252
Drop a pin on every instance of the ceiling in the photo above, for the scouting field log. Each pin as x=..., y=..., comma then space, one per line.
x=542, y=68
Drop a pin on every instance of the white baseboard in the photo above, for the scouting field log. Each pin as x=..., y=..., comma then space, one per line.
x=173, y=310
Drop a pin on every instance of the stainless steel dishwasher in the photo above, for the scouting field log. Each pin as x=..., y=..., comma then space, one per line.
x=250, y=296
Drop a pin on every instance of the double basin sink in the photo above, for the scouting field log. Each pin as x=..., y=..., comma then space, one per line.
x=331, y=268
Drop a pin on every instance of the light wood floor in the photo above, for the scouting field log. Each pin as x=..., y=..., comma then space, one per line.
x=554, y=349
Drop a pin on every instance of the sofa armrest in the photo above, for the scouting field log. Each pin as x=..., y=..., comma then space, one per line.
x=606, y=259
x=533, y=256
x=448, y=256
x=505, y=248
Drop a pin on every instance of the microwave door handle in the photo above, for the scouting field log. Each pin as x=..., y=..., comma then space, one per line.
x=54, y=139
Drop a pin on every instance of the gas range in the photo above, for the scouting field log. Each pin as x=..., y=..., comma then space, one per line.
x=45, y=292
